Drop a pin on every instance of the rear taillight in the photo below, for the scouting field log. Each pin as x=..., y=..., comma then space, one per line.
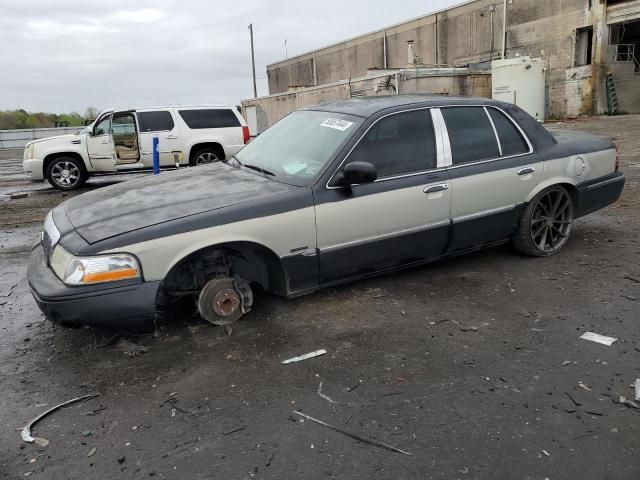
x=617, y=158
x=245, y=134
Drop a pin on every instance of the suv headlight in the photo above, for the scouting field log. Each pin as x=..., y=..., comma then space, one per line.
x=90, y=270
x=28, y=151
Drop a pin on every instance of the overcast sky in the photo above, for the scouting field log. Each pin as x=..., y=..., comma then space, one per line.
x=64, y=55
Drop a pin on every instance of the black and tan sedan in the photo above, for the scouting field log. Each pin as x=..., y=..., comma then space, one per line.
x=327, y=195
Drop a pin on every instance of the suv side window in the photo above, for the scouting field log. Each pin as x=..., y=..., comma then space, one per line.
x=104, y=127
x=155, y=121
x=471, y=134
x=400, y=144
x=511, y=139
x=209, y=118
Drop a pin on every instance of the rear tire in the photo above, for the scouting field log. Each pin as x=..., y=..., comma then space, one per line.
x=545, y=224
x=66, y=173
x=206, y=155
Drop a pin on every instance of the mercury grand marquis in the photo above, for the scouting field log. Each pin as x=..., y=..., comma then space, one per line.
x=329, y=194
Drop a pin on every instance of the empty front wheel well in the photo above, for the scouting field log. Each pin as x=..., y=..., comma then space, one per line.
x=251, y=261
x=201, y=146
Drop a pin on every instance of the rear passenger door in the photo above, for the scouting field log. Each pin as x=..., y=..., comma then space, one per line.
x=401, y=218
x=158, y=123
x=492, y=170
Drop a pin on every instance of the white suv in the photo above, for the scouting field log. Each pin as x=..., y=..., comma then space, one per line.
x=122, y=141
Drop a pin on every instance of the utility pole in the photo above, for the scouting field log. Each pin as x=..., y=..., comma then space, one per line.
x=253, y=63
x=504, y=31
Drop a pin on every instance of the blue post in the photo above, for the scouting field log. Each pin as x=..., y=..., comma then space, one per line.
x=156, y=157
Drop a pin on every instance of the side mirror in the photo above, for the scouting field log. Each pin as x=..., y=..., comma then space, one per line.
x=355, y=173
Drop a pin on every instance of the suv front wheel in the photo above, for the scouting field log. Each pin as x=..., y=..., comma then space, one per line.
x=66, y=173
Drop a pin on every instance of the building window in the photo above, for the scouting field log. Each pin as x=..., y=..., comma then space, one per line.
x=584, y=46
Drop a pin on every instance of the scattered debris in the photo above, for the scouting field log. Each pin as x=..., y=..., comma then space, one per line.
x=630, y=297
x=92, y=452
x=575, y=402
x=96, y=411
x=594, y=412
x=546, y=453
x=566, y=362
x=637, y=387
x=121, y=459
x=584, y=386
x=629, y=403
x=595, y=337
x=26, y=431
x=351, y=389
x=86, y=433
x=360, y=438
x=306, y=356
x=235, y=430
x=15, y=196
x=633, y=279
x=130, y=349
x=326, y=397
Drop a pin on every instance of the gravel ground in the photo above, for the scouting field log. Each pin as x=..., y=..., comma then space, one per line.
x=474, y=365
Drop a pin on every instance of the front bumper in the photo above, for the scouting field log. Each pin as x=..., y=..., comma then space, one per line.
x=129, y=304
x=33, y=169
x=599, y=193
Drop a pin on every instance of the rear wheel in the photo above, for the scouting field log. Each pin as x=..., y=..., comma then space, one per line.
x=545, y=224
x=206, y=155
x=66, y=173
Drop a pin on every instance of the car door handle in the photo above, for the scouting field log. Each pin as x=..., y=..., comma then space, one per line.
x=171, y=137
x=437, y=188
x=526, y=171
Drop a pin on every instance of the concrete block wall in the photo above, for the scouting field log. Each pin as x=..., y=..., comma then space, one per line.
x=462, y=35
x=272, y=108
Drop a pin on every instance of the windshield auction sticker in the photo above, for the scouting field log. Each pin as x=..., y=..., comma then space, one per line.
x=336, y=123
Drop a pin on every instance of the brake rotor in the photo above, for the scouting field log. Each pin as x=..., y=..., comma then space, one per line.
x=222, y=301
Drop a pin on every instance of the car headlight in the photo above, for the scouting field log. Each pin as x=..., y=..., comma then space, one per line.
x=28, y=151
x=90, y=270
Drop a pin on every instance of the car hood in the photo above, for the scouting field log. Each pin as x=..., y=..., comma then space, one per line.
x=58, y=139
x=136, y=204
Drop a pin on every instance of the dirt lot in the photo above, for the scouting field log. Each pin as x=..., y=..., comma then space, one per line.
x=473, y=365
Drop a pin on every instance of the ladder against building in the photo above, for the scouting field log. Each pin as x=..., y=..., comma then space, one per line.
x=612, y=97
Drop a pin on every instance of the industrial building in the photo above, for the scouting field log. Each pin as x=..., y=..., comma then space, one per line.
x=555, y=58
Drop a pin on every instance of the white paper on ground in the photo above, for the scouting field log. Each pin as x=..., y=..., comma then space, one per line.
x=594, y=337
x=637, y=389
x=317, y=353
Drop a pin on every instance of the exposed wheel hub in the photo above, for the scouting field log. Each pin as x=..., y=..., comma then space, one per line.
x=224, y=300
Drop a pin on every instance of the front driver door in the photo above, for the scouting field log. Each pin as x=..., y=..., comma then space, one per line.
x=400, y=219
x=102, y=154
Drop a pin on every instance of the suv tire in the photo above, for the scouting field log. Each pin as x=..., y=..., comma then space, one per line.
x=66, y=173
x=206, y=155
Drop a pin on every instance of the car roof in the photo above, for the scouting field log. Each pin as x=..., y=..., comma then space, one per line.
x=367, y=106
x=166, y=107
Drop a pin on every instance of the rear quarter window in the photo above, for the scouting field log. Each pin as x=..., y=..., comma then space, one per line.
x=511, y=140
x=155, y=121
x=209, y=118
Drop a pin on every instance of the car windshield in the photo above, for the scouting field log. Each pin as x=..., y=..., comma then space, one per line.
x=299, y=146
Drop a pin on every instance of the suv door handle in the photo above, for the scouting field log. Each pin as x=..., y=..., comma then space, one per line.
x=171, y=137
x=526, y=171
x=437, y=188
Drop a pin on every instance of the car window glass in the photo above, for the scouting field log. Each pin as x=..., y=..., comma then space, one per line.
x=155, y=121
x=103, y=127
x=511, y=139
x=123, y=124
x=399, y=144
x=471, y=134
x=209, y=118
